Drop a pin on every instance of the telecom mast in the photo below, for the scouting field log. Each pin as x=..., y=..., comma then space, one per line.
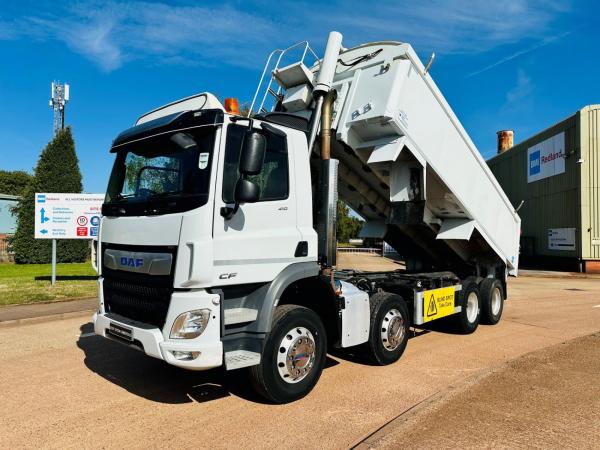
x=58, y=100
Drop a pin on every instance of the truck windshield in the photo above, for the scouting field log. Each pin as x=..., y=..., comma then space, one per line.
x=161, y=174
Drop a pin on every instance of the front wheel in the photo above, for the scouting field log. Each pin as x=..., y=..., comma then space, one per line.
x=293, y=356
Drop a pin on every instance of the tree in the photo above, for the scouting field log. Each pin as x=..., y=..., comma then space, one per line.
x=57, y=170
x=348, y=227
x=14, y=182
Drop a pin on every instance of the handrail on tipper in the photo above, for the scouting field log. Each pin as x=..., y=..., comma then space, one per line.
x=281, y=53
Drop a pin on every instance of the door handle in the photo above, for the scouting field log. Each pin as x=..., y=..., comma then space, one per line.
x=301, y=249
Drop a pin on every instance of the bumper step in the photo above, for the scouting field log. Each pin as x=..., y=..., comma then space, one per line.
x=241, y=358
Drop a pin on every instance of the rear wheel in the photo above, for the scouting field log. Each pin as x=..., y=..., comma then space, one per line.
x=293, y=356
x=492, y=300
x=388, y=334
x=467, y=320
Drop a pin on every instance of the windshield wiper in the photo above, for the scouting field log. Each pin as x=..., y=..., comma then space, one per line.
x=167, y=194
x=120, y=197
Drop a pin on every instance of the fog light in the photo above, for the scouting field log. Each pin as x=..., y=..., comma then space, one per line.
x=185, y=356
x=190, y=325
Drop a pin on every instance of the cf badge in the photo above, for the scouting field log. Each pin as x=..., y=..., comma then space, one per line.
x=227, y=276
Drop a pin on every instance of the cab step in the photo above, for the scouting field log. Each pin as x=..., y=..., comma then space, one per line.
x=241, y=358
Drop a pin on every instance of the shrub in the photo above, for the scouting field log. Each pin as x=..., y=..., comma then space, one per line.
x=57, y=170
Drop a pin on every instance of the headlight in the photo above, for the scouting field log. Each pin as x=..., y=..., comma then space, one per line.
x=190, y=325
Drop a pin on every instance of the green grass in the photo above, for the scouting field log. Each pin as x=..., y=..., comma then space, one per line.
x=30, y=283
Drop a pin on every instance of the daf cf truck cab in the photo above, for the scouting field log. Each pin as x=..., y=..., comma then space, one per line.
x=217, y=242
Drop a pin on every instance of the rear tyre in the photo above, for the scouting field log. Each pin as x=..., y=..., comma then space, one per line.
x=492, y=300
x=293, y=357
x=467, y=320
x=388, y=334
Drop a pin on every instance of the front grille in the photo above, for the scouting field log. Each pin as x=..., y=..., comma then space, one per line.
x=141, y=300
x=138, y=296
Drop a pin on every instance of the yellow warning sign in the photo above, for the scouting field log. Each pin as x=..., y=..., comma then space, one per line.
x=438, y=303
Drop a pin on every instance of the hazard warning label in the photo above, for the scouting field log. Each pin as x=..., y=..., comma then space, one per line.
x=438, y=303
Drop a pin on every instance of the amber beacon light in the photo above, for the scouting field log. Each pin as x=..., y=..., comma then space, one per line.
x=232, y=106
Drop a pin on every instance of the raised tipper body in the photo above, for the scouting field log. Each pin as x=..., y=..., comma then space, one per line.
x=217, y=243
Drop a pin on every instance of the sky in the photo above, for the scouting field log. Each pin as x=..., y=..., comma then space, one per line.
x=503, y=64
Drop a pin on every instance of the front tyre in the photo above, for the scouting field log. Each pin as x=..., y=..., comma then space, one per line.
x=388, y=334
x=293, y=357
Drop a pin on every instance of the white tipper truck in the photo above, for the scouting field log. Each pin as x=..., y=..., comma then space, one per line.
x=217, y=243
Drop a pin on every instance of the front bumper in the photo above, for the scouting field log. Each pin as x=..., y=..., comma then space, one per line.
x=156, y=343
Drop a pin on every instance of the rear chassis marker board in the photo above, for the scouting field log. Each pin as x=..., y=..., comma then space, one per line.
x=435, y=303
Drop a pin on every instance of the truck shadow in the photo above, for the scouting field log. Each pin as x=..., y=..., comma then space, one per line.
x=358, y=355
x=444, y=325
x=158, y=381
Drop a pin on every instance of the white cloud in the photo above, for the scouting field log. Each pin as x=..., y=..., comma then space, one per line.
x=7, y=31
x=112, y=33
x=521, y=90
x=451, y=26
x=521, y=52
x=94, y=38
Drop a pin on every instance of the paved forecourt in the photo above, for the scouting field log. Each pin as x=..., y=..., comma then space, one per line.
x=64, y=387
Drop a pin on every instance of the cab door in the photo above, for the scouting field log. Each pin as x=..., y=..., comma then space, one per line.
x=261, y=239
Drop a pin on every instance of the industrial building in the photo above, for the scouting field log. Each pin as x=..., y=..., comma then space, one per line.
x=553, y=178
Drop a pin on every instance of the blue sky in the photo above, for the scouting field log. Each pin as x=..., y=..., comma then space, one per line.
x=519, y=64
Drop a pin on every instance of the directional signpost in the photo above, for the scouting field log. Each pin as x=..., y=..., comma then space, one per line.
x=67, y=216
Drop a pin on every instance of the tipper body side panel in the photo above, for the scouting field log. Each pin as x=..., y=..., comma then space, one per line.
x=410, y=169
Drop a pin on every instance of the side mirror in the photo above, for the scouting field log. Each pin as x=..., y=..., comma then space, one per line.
x=246, y=191
x=253, y=153
x=252, y=158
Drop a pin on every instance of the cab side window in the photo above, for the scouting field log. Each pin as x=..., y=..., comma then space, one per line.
x=273, y=180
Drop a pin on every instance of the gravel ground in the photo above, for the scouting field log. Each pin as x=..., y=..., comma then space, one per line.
x=546, y=399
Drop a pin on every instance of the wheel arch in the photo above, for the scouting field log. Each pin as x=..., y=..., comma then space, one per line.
x=316, y=294
x=297, y=274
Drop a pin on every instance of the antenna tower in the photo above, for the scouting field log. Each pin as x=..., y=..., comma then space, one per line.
x=58, y=101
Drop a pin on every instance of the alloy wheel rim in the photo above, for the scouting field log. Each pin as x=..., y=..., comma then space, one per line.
x=496, y=301
x=392, y=330
x=296, y=355
x=472, y=307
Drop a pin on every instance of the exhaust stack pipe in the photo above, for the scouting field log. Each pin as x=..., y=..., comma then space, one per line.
x=328, y=175
x=328, y=192
x=324, y=82
x=326, y=125
x=328, y=63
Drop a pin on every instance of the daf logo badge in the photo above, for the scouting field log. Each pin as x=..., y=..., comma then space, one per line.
x=131, y=262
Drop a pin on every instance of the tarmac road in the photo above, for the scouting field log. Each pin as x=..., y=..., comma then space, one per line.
x=63, y=387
